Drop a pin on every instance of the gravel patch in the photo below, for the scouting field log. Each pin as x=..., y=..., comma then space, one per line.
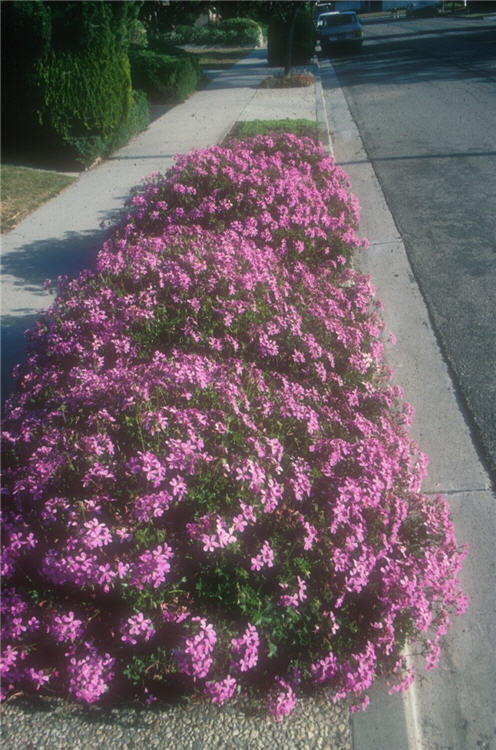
x=52, y=724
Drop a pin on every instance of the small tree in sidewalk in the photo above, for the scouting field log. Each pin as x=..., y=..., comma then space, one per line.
x=291, y=35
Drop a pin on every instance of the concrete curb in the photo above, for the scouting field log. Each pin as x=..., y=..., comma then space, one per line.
x=321, y=111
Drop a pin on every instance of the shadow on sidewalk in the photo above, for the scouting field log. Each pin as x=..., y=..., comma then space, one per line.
x=35, y=262
x=30, y=266
x=13, y=349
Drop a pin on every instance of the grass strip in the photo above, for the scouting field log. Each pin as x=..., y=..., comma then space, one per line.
x=24, y=190
x=300, y=127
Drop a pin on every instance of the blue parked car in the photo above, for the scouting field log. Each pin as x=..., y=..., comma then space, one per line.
x=336, y=30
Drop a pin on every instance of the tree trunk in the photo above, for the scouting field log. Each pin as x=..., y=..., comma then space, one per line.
x=289, y=60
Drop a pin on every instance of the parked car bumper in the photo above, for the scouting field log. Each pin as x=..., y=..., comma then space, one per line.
x=336, y=41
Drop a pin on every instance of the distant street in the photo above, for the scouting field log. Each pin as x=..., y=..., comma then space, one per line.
x=423, y=95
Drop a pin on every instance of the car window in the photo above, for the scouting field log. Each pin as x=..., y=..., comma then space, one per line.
x=324, y=9
x=340, y=20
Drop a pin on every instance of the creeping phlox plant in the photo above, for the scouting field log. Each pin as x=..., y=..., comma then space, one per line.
x=208, y=482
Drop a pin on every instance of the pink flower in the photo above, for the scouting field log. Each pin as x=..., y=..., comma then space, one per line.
x=265, y=557
x=66, y=627
x=39, y=677
x=222, y=690
x=283, y=702
x=137, y=627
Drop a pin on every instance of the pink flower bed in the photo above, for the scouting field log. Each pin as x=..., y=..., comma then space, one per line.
x=208, y=481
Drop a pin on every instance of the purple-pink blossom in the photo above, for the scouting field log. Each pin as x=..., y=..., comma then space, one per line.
x=137, y=628
x=205, y=459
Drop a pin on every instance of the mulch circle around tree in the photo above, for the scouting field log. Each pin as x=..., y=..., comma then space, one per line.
x=292, y=81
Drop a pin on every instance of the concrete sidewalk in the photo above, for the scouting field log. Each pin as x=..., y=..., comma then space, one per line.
x=453, y=706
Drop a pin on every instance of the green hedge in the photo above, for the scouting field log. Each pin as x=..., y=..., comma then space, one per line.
x=85, y=94
x=138, y=120
x=163, y=47
x=231, y=32
x=165, y=78
x=83, y=150
x=242, y=31
x=66, y=88
x=303, y=40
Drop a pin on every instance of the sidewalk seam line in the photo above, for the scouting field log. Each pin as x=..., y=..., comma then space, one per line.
x=431, y=493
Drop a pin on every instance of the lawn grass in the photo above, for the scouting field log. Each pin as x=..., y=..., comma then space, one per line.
x=24, y=189
x=300, y=127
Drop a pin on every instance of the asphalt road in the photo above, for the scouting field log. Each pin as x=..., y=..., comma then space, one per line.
x=423, y=96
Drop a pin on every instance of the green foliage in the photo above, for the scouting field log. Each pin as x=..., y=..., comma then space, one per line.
x=261, y=12
x=137, y=33
x=138, y=120
x=81, y=150
x=160, y=45
x=185, y=34
x=65, y=67
x=81, y=26
x=232, y=32
x=160, y=16
x=303, y=45
x=165, y=78
x=212, y=491
x=242, y=31
x=86, y=94
x=28, y=39
x=29, y=28
x=156, y=665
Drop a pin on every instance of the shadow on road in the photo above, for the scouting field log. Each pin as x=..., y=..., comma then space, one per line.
x=412, y=58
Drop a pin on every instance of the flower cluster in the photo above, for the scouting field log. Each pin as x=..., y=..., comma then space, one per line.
x=264, y=557
x=245, y=649
x=137, y=628
x=194, y=657
x=208, y=479
x=283, y=701
x=89, y=673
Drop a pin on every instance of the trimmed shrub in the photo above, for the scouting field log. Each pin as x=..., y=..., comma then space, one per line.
x=231, y=32
x=165, y=78
x=137, y=33
x=160, y=45
x=208, y=482
x=138, y=120
x=86, y=98
x=26, y=38
x=303, y=40
x=29, y=26
x=242, y=31
x=72, y=91
x=184, y=34
x=84, y=150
